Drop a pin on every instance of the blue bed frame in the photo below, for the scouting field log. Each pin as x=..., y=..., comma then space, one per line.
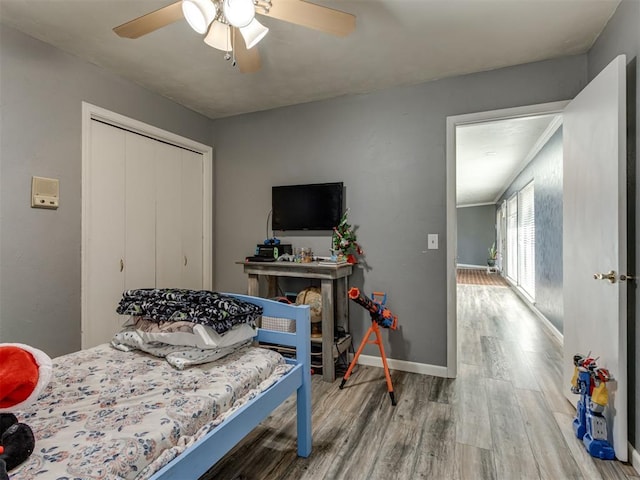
x=202, y=455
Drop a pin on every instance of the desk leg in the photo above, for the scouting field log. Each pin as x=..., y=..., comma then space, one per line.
x=253, y=287
x=328, y=371
x=342, y=303
x=272, y=291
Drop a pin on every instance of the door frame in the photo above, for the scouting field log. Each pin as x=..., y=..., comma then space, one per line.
x=452, y=230
x=92, y=112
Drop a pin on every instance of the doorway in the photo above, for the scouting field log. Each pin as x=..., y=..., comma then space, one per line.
x=453, y=130
x=594, y=236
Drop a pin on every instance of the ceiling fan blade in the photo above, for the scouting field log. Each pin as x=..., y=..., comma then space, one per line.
x=311, y=15
x=248, y=60
x=151, y=21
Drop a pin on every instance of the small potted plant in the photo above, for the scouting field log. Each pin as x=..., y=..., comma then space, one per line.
x=493, y=255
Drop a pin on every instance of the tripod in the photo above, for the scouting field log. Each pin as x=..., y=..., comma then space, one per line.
x=378, y=314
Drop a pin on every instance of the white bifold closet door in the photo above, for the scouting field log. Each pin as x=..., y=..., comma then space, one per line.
x=145, y=202
x=178, y=219
x=105, y=278
x=192, y=220
x=139, y=212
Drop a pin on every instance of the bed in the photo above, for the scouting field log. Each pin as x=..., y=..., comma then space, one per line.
x=86, y=429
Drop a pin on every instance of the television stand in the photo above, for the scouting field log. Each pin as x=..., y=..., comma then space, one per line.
x=333, y=285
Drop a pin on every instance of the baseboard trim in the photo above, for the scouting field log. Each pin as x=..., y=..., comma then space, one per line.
x=635, y=458
x=474, y=267
x=545, y=321
x=403, y=365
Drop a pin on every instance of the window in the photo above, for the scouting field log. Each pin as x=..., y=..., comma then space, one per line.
x=520, y=266
x=500, y=231
x=512, y=238
x=527, y=241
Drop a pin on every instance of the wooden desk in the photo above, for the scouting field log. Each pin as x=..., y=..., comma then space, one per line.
x=328, y=276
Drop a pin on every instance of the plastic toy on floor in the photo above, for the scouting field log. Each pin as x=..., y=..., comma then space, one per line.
x=381, y=316
x=24, y=373
x=590, y=382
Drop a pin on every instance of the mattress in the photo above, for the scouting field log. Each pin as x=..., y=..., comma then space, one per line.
x=109, y=414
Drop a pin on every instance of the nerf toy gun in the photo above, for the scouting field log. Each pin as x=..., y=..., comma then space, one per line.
x=379, y=313
x=381, y=316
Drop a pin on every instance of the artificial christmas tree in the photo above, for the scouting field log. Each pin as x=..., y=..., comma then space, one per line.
x=344, y=241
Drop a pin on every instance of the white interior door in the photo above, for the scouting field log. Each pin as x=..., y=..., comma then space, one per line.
x=191, y=216
x=105, y=252
x=169, y=258
x=594, y=239
x=140, y=213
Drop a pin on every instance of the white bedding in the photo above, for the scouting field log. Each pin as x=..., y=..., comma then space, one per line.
x=189, y=334
x=179, y=356
x=113, y=415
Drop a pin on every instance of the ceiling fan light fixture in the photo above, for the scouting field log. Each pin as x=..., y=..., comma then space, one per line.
x=253, y=33
x=239, y=13
x=219, y=36
x=199, y=14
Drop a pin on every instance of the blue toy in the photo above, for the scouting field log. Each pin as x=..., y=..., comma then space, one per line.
x=590, y=382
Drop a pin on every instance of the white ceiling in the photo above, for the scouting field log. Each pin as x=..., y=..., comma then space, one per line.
x=490, y=155
x=396, y=42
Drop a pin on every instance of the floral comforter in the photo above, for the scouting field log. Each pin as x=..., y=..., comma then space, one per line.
x=115, y=415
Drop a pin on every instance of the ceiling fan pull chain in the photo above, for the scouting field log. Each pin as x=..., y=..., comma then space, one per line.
x=233, y=52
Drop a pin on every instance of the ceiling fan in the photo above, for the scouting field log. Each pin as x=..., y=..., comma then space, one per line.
x=231, y=26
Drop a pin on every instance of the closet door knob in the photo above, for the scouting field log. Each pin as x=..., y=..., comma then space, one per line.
x=121, y=264
x=185, y=260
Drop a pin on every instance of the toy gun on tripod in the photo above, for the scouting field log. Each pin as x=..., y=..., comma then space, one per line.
x=381, y=316
x=376, y=307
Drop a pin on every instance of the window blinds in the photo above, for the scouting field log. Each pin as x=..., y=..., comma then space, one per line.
x=527, y=240
x=512, y=238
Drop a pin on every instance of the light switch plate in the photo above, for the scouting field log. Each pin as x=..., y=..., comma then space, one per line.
x=432, y=241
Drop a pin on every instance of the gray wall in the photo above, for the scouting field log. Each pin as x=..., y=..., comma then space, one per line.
x=389, y=150
x=41, y=90
x=476, y=234
x=622, y=35
x=545, y=169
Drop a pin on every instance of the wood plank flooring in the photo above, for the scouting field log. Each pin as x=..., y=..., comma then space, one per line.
x=479, y=276
x=503, y=418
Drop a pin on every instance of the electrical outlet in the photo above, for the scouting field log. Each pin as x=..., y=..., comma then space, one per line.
x=432, y=241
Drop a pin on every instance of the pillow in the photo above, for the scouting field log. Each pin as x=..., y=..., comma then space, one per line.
x=214, y=309
x=200, y=336
x=165, y=327
x=178, y=356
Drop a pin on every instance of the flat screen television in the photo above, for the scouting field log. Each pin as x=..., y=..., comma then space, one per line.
x=316, y=206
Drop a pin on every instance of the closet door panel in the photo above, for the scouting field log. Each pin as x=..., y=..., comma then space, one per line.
x=106, y=226
x=191, y=216
x=169, y=258
x=140, y=212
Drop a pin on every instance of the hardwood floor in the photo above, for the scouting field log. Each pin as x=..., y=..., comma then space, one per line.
x=504, y=417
